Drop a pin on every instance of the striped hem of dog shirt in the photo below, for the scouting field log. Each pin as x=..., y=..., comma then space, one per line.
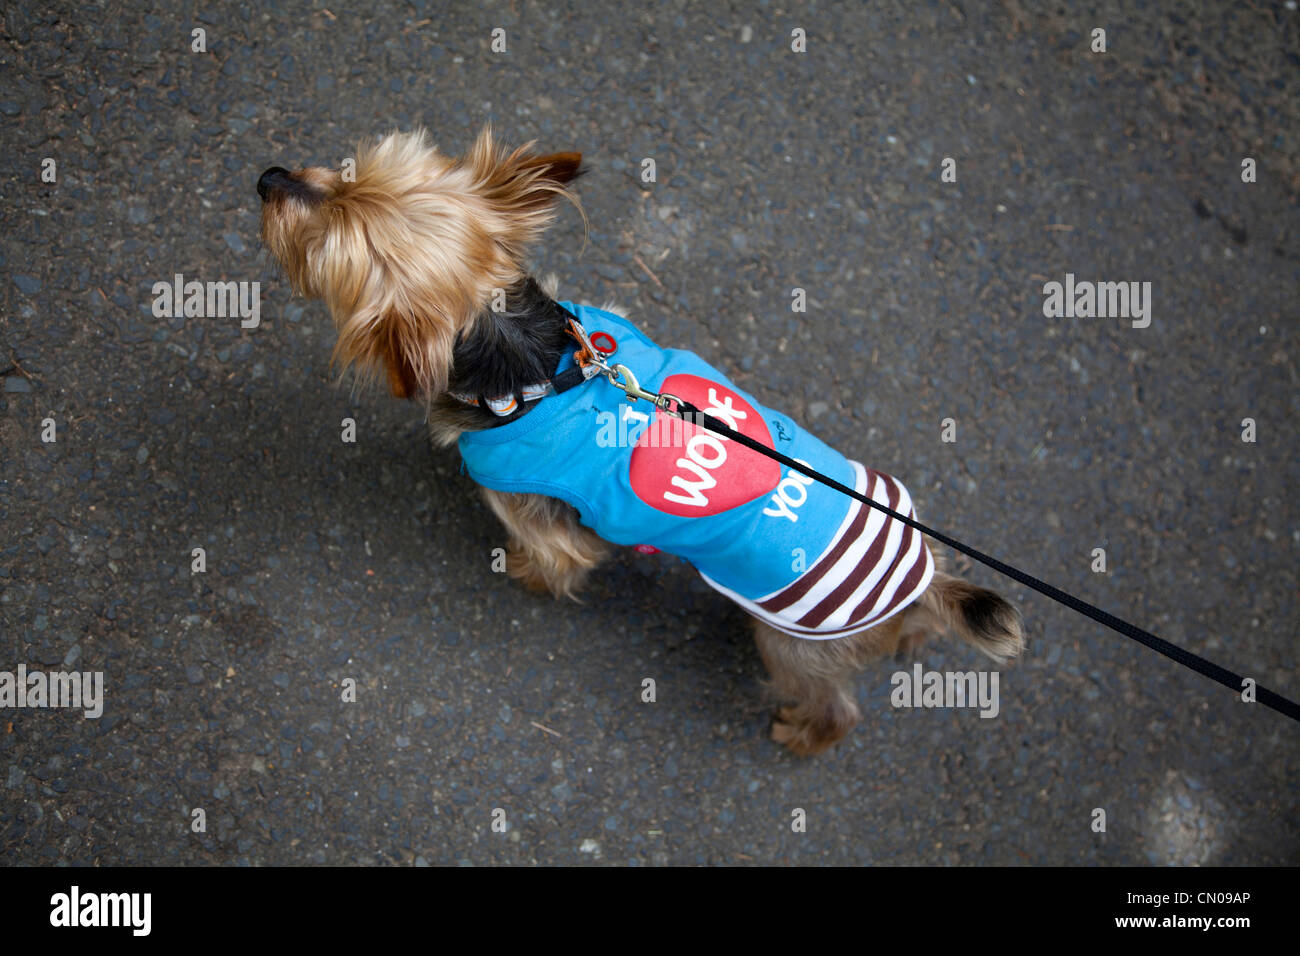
x=874, y=567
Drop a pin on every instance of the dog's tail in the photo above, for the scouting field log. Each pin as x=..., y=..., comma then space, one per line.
x=978, y=616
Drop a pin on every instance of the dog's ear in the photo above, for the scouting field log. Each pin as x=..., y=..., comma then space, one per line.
x=412, y=352
x=558, y=168
x=402, y=378
x=400, y=356
x=521, y=182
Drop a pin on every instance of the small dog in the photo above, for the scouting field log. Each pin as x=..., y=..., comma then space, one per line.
x=420, y=259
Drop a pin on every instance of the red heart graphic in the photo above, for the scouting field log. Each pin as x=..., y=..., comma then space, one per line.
x=682, y=469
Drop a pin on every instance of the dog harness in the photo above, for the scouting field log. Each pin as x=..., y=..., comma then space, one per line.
x=794, y=553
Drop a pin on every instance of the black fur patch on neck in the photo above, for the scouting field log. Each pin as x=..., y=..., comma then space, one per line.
x=504, y=351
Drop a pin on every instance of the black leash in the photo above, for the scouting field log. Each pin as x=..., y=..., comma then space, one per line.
x=1227, y=678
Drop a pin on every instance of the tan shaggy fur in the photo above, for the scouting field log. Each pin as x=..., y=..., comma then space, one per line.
x=408, y=253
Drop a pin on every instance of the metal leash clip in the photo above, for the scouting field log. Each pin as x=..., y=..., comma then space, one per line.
x=589, y=358
x=634, y=390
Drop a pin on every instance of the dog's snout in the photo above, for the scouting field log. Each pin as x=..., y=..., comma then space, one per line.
x=271, y=180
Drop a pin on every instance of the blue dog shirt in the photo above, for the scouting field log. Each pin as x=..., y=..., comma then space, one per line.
x=796, y=554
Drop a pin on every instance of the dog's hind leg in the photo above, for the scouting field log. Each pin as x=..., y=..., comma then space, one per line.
x=816, y=677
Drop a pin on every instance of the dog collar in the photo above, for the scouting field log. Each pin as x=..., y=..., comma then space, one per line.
x=588, y=360
x=503, y=405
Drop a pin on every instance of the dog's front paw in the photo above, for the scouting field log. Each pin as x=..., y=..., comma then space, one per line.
x=553, y=573
x=528, y=573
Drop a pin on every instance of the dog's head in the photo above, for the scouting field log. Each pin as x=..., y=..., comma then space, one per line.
x=406, y=245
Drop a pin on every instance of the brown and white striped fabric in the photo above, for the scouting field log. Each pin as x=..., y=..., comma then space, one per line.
x=874, y=567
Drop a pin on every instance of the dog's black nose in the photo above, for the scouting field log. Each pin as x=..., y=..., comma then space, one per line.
x=270, y=180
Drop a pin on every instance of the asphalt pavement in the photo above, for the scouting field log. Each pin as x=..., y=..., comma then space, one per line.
x=349, y=682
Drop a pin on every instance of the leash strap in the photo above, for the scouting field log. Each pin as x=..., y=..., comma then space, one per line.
x=1209, y=669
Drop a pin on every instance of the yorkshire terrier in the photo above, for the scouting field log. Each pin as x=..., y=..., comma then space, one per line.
x=420, y=259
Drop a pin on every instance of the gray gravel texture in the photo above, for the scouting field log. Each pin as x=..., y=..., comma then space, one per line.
x=371, y=561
